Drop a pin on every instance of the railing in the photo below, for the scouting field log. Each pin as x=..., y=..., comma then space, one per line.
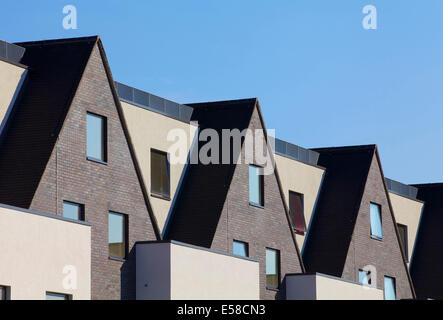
x=153, y=103
x=296, y=152
x=401, y=189
x=11, y=52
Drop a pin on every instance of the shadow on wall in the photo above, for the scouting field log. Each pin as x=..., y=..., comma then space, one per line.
x=128, y=277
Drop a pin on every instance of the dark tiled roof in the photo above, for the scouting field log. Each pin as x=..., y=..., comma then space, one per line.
x=55, y=69
x=203, y=192
x=427, y=261
x=333, y=223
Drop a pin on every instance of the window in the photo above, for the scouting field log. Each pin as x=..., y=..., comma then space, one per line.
x=240, y=248
x=296, y=209
x=118, y=235
x=364, y=277
x=376, y=227
x=160, y=173
x=255, y=186
x=403, y=233
x=73, y=210
x=272, y=268
x=57, y=296
x=390, y=288
x=95, y=137
x=4, y=293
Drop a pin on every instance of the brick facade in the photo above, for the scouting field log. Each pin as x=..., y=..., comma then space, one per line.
x=385, y=255
x=100, y=187
x=261, y=228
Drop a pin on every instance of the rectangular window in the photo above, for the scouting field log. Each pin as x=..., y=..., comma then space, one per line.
x=240, y=248
x=160, y=173
x=73, y=210
x=390, y=288
x=96, y=137
x=256, y=186
x=296, y=210
x=364, y=277
x=118, y=235
x=57, y=296
x=403, y=233
x=376, y=226
x=4, y=293
x=272, y=268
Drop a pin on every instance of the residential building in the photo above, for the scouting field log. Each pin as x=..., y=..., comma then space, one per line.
x=133, y=193
x=354, y=229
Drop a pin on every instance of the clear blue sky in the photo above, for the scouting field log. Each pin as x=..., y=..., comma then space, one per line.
x=322, y=80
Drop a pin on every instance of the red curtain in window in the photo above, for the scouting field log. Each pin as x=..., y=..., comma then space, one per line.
x=297, y=212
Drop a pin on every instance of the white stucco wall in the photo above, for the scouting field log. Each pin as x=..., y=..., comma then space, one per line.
x=194, y=273
x=35, y=249
x=149, y=130
x=322, y=287
x=11, y=77
x=301, y=178
x=407, y=212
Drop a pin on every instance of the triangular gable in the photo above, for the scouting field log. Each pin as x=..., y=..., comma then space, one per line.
x=128, y=139
x=333, y=221
x=202, y=197
x=340, y=241
x=55, y=69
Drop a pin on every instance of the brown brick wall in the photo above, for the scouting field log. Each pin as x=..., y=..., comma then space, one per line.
x=259, y=227
x=384, y=255
x=100, y=187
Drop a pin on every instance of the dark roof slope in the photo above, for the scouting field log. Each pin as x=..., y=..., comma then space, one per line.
x=427, y=261
x=55, y=69
x=333, y=223
x=206, y=186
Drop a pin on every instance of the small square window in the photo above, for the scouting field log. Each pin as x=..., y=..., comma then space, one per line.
x=4, y=293
x=118, y=235
x=296, y=209
x=256, y=186
x=376, y=224
x=96, y=137
x=57, y=296
x=403, y=233
x=160, y=181
x=73, y=211
x=272, y=268
x=240, y=248
x=390, y=292
x=364, y=277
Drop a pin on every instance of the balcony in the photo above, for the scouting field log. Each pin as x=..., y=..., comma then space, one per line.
x=319, y=286
x=178, y=271
x=44, y=253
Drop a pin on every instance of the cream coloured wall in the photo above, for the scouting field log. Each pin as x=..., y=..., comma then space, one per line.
x=10, y=78
x=178, y=271
x=323, y=287
x=302, y=178
x=148, y=130
x=408, y=212
x=35, y=249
